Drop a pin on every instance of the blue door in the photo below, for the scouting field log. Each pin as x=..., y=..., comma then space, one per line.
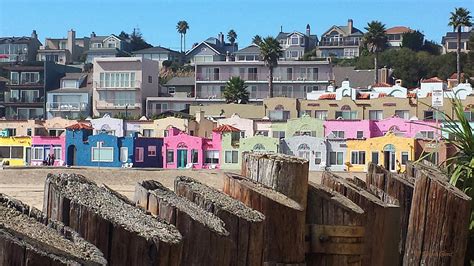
x=182, y=158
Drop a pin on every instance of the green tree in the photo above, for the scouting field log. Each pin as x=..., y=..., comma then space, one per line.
x=231, y=37
x=413, y=40
x=182, y=27
x=432, y=47
x=270, y=51
x=256, y=39
x=375, y=40
x=235, y=91
x=459, y=18
x=137, y=41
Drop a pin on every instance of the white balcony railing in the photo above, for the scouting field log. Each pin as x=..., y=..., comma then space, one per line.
x=116, y=104
x=67, y=107
x=263, y=77
x=131, y=86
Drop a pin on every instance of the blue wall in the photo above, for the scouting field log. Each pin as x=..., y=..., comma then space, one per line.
x=79, y=146
x=149, y=161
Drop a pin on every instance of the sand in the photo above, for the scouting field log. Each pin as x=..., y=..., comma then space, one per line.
x=27, y=185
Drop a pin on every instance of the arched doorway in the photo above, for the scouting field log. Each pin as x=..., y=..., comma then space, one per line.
x=389, y=157
x=71, y=155
x=182, y=155
x=304, y=151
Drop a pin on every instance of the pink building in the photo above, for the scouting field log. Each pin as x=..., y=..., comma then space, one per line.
x=44, y=147
x=347, y=129
x=359, y=129
x=181, y=150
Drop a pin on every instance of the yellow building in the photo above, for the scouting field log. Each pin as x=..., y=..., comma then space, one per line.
x=389, y=151
x=15, y=150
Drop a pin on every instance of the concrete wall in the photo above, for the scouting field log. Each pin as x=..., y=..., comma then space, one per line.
x=350, y=127
x=294, y=145
x=250, y=144
x=245, y=125
x=108, y=123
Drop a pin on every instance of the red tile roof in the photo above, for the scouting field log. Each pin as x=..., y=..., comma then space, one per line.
x=226, y=128
x=79, y=126
x=381, y=84
x=432, y=80
x=363, y=96
x=455, y=76
x=382, y=94
x=411, y=95
x=398, y=30
x=329, y=96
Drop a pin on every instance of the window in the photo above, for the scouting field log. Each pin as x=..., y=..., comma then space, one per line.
x=117, y=79
x=37, y=153
x=252, y=73
x=304, y=151
x=295, y=40
x=405, y=114
x=194, y=156
x=320, y=114
x=289, y=73
x=318, y=157
x=171, y=90
x=169, y=156
x=338, y=134
x=231, y=156
x=4, y=152
x=14, y=78
x=148, y=133
x=469, y=115
x=375, y=157
x=262, y=133
x=17, y=153
x=211, y=157
x=123, y=154
x=404, y=157
x=360, y=134
x=55, y=132
x=346, y=113
x=152, y=151
x=427, y=134
x=358, y=157
x=11, y=132
x=429, y=115
x=258, y=147
x=150, y=79
x=139, y=152
x=102, y=154
x=29, y=77
x=29, y=132
x=336, y=158
x=70, y=83
x=279, y=134
x=57, y=152
x=375, y=114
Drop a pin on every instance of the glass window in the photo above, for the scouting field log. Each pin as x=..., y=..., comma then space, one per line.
x=429, y=115
x=405, y=114
x=339, y=134
x=212, y=157
x=102, y=154
x=336, y=158
x=37, y=153
x=358, y=157
x=14, y=78
x=171, y=90
x=231, y=156
x=404, y=157
x=29, y=77
x=139, y=153
x=375, y=157
x=322, y=115
x=169, y=156
x=17, y=153
x=427, y=134
x=279, y=134
x=57, y=152
x=148, y=133
x=123, y=154
x=69, y=84
x=360, y=134
x=346, y=115
x=318, y=157
x=4, y=152
x=375, y=114
x=152, y=151
x=194, y=156
x=469, y=115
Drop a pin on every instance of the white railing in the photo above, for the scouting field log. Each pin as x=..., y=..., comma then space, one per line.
x=64, y=106
x=116, y=104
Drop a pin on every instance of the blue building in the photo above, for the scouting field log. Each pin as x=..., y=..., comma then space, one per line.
x=85, y=149
x=148, y=152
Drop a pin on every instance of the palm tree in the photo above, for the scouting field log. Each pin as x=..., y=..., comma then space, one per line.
x=256, y=39
x=375, y=40
x=231, y=37
x=235, y=91
x=270, y=51
x=459, y=18
x=182, y=27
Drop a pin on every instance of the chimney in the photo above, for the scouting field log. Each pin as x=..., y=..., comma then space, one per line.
x=34, y=35
x=383, y=75
x=199, y=116
x=71, y=41
x=308, y=30
x=93, y=35
x=221, y=38
x=281, y=28
x=350, y=25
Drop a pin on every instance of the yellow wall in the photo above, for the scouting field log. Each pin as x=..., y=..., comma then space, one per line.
x=377, y=145
x=15, y=142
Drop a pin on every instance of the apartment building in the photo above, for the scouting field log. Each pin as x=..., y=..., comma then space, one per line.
x=122, y=84
x=340, y=41
x=19, y=49
x=64, y=50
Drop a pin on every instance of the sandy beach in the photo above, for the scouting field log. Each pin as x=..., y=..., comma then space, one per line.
x=27, y=185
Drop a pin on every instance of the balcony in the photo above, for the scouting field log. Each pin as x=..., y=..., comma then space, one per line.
x=22, y=100
x=67, y=107
x=339, y=43
x=102, y=87
x=117, y=104
x=256, y=77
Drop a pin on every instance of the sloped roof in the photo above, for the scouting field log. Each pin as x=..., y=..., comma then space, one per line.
x=432, y=80
x=180, y=81
x=74, y=76
x=251, y=49
x=79, y=126
x=226, y=128
x=398, y=30
x=345, y=29
x=329, y=96
x=210, y=45
x=357, y=78
x=455, y=76
x=157, y=49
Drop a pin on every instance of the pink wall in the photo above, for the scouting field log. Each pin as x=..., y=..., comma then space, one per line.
x=50, y=141
x=182, y=141
x=409, y=127
x=350, y=127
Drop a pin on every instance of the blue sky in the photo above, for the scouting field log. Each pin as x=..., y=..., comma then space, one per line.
x=157, y=18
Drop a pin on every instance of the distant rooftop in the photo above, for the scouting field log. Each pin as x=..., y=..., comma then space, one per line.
x=181, y=81
x=157, y=49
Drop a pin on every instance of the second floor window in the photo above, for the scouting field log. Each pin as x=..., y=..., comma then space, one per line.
x=30, y=77
x=15, y=78
x=358, y=157
x=339, y=134
x=375, y=114
x=117, y=79
x=319, y=114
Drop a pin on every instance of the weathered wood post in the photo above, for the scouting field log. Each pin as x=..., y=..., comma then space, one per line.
x=335, y=228
x=382, y=221
x=439, y=221
x=244, y=224
x=284, y=231
x=27, y=237
x=205, y=240
x=124, y=233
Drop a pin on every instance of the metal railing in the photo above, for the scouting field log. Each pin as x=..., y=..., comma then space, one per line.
x=65, y=106
x=339, y=42
x=116, y=104
x=277, y=76
x=132, y=86
x=21, y=99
